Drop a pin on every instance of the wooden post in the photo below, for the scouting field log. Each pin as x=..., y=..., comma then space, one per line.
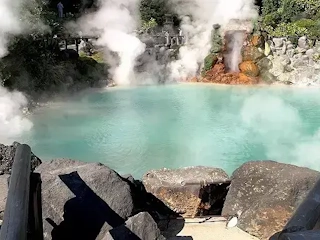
x=15, y=224
x=306, y=235
x=77, y=45
x=307, y=214
x=35, y=208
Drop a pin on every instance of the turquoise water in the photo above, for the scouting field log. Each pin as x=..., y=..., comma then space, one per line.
x=135, y=130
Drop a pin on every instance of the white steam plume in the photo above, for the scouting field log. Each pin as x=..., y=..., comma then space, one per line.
x=233, y=56
x=198, y=16
x=12, y=120
x=116, y=21
x=280, y=129
x=9, y=24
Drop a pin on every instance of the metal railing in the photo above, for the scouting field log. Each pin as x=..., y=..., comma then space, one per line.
x=303, y=225
x=23, y=212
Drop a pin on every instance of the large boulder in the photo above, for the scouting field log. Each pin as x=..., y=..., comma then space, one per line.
x=82, y=200
x=188, y=191
x=139, y=227
x=265, y=194
x=303, y=43
x=251, y=53
x=7, y=156
x=249, y=68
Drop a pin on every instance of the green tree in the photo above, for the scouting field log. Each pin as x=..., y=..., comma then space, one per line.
x=34, y=64
x=154, y=9
x=310, y=7
x=290, y=10
x=147, y=25
x=270, y=6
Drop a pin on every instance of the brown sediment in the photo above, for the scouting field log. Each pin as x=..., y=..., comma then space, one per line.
x=249, y=71
x=218, y=75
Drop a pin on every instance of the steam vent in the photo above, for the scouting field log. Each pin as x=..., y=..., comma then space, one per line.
x=235, y=55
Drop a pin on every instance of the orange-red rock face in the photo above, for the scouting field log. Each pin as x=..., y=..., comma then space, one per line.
x=218, y=75
x=249, y=70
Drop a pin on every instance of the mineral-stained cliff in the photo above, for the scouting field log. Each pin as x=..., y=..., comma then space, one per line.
x=238, y=62
x=285, y=60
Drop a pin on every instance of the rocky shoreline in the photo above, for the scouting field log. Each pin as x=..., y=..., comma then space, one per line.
x=91, y=201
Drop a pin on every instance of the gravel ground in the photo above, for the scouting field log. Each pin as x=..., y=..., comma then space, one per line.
x=208, y=231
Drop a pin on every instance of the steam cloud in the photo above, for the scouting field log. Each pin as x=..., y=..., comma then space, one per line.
x=279, y=127
x=116, y=21
x=12, y=121
x=198, y=16
x=233, y=56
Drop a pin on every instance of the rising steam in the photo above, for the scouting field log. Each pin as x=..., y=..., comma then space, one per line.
x=279, y=127
x=116, y=22
x=12, y=121
x=233, y=55
x=198, y=16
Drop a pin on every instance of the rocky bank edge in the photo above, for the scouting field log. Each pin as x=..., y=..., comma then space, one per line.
x=91, y=201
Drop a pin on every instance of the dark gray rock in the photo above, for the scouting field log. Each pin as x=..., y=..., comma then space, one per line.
x=82, y=200
x=139, y=227
x=266, y=193
x=264, y=64
x=69, y=54
x=288, y=83
x=7, y=156
x=182, y=190
x=267, y=77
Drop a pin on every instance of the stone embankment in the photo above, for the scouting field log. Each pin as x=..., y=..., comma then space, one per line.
x=91, y=201
x=295, y=63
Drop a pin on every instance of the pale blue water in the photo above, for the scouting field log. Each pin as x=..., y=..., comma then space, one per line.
x=135, y=130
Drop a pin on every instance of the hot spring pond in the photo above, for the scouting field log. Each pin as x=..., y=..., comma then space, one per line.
x=138, y=129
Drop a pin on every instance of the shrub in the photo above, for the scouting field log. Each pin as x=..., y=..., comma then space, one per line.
x=269, y=6
x=209, y=61
x=289, y=29
x=271, y=19
x=312, y=26
x=290, y=10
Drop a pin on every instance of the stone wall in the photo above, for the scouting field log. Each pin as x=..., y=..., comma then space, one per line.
x=294, y=63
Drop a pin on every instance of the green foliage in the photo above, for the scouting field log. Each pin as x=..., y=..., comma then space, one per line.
x=305, y=23
x=312, y=26
x=316, y=57
x=147, y=25
x=32, y=68
x=97, y=56
x=310, y=7
x=290, y=10
x=157, y=9
x=291, y=17
x=270, y=6
x=288, y=29
x=34, y=64
x=271, y=19
x=154, y=9
x=209, y=61
x=302, y=27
